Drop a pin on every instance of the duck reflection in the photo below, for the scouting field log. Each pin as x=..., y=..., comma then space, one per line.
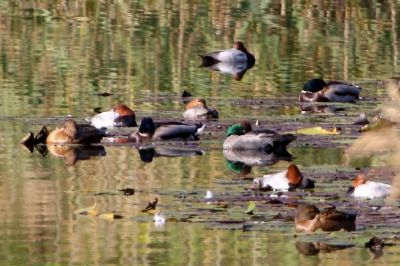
x=70, y=153
x=241, y=161
x=147, y=153
x=320, y=108
x=74, y=153
x=237, y=70
x=313, y=248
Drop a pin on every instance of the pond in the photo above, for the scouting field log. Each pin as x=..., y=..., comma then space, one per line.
x=58, y=57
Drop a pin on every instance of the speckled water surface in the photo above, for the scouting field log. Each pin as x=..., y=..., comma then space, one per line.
x=57, y=57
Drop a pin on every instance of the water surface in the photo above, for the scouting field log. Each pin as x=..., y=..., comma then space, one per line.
x=57, y=56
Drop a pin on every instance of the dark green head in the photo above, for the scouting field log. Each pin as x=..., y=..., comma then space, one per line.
x=239, y=129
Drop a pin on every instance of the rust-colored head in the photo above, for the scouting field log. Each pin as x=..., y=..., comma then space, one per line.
x=240, y=46
x=359, y=180
x=123, y=110
x=294, y=175
x=196, y=102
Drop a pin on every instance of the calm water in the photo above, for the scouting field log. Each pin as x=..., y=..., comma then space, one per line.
x=57, y=55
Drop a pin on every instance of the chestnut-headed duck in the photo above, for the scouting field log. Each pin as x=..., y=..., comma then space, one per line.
x=197, y=109
x=236, y=55
x=362, y=188
x=316, y=90
x=309, y=218
x=72, y=133
x=120, y=116
x=149, y=130
x=286, y=180
x=241, y=137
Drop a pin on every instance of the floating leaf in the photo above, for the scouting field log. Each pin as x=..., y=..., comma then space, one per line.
x=110, y=216
x=251, y=207
x=317, y=131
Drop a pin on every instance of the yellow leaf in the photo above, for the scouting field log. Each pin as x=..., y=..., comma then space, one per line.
x=107, y=216
x=317, y=131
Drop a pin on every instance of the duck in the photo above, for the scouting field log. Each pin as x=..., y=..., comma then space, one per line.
x=233, y=56
x=309, y=218
x=317, y=90
x=286, y=180
x=119, y=116
x=72, y=133
x=362, y=188
x=197, y=109
x=151, y=131
x=241, y=137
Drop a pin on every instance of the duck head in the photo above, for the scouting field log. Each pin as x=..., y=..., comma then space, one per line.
x=147, y=126
x=359, y=180
x=296, y=179
x=250, y=58
x=196, y=102
x=123, y=110
x=239, y=129
x=126, y=116
x=240, y=46
x=314, y=85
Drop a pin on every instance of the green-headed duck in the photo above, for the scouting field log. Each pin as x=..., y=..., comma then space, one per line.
x=241, y=137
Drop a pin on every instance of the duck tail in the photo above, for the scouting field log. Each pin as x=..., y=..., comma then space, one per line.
x=200, y=129
x=208, y=61
x=281, y=141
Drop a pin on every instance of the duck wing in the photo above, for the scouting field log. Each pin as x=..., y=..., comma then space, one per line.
x=105, y=119
x=175, y=132
x=342, y=89
x=125, y=121
x=200, y=113
x=249, y=141
x=280, y=143
x=89, y=134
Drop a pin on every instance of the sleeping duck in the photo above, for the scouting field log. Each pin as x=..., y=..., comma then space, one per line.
x=309, y=218
x=151, y=131
x=241, y=137
x=316, y=90
x=197, y=109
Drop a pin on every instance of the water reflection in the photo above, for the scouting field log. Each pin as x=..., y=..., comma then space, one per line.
x=71, y=154
x=320, y=108
x=255, y=157
x=237, y=70
x=147, y=153
x=313, y=248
